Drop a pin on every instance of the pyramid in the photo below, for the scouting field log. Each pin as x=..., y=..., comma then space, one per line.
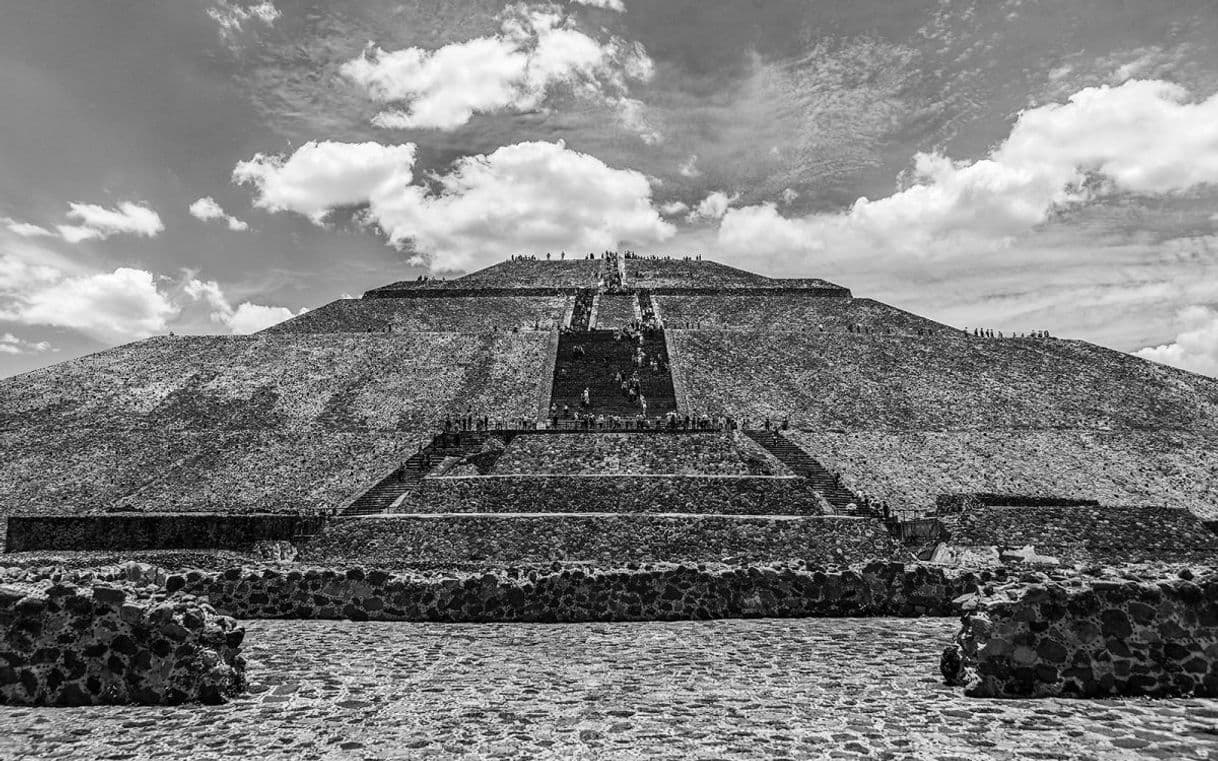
x=500, y=416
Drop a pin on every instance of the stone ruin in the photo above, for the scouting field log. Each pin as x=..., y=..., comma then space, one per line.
x=597, y=417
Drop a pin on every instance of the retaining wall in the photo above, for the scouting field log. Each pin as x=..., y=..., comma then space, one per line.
x=66, y=645
x=665, y=591
x=149, y=531
x=601, y=538
x=613, y=494
x=1093, y=638
x=1088, y=533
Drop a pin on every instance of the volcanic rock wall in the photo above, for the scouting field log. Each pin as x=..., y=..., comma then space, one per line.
x=603, y=538
x=65, y=645
x=1091, y=639
x=663, y=591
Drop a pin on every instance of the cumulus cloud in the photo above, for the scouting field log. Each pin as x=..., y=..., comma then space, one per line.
x=206, y=209
x=98, y=223
x=1195, y=348
x=245, y=318
x=789, y=195
x=608, y=5
x=714, y=206
x=11, y=344
x=1142, y=137
x=320, y=177
x=689, y=167
x=26, y=229
x=534, y=196
x=536, y=50
x=230, y=17
x=674, y=208
x=118, y=305
x=41, y=287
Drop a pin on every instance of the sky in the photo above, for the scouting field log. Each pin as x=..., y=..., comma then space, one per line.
x=218, y=166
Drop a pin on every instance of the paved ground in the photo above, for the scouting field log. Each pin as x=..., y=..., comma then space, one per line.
x=846, y=688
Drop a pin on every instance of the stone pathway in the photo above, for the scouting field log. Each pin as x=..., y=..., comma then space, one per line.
x=780, y=689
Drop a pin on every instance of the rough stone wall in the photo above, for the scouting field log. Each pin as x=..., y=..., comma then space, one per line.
x=1089, y=533
x=911, y=469
x=1091, y=638
x=230, y=423
x=66, y=645
x=601, y=538
x=456, y=314
x=653, y=452
x=664, y=591
x=149, y=531
x=612, y=494
x=945, y=381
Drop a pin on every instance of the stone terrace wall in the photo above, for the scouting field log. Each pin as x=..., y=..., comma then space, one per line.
x=946, y=382
x=626, y=453
x=650, y=593
x=1089, y=534
x=599, y=538
x=794, y=312
x=612, y=494
x=65, y=645
x=1135, y=467
x=76, y=533
x=253, y=423
x=458, y=314
x=1090, y=639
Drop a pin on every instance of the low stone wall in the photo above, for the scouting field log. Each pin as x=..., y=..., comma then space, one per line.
x=61, y=644
x=610, y=539
x=664, y=591
x=612, y=494
x=1091, y=638
x=1088, y=533
x=149, y=531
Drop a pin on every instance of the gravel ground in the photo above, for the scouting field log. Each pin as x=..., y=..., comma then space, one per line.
x=806, y=688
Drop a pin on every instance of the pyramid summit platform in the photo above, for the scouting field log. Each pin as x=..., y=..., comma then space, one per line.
x=623, y=407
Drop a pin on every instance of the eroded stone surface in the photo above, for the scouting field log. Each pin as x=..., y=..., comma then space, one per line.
x=1091, y=637
x=61, y=644
x=799, y=689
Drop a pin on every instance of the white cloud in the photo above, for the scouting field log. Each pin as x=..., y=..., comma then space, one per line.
x=1141, y=137
x=11, y=344
x=206, y=209
x=536, y=49
x=320, y=177
x=245, y=318
x=533, y=196
x=26, y=229
x=714, y=206
x=608, y=5
x=230, y=16
x=98, y=223
x=118, y=305
x=689, y=167
x=1195, y=347
x=789, y=195
x=673, y=208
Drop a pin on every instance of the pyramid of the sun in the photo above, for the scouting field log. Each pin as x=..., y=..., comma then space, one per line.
x=331, y=411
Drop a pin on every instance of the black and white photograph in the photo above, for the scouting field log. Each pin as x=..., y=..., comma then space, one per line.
x=716, y=380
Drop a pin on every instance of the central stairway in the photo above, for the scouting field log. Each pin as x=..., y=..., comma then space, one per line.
x=590, y=359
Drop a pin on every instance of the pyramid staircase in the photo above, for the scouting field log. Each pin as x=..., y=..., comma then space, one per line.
x=589, y=359
x=821, y=480
x=386, y=492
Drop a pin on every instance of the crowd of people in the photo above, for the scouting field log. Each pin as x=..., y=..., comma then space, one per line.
x=988, y=333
